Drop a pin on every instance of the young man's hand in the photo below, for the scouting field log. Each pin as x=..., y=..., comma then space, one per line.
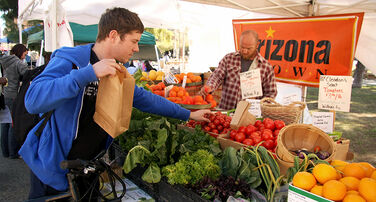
x=199, y=115
x=106, y=67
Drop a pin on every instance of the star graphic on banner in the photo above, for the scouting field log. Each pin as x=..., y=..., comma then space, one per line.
x=270, y=32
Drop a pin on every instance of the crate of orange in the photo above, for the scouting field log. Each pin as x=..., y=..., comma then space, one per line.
x=158, y=89
x=339, y=181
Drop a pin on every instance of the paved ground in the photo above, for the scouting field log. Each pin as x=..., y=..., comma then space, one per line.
x=14, y=180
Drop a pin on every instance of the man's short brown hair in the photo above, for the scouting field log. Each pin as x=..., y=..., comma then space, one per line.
x=120, y=19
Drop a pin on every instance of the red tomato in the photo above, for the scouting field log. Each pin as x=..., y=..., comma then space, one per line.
x=275, y=143
x=279, y=124
x=248, y=142
x=255, y=135
x=212, y=125
x=233, y=134
x=267, y=120
x=275, y=133
x=207, y=128
x=216, y=122
x=250, y=129
x=257, y=123
x=256, y=140
x=317, y=149
x=239, y=137
x=224, y=131
x=268, y=144
x=269, y=125
x=219, y=127
x=211, y=118
x=226, y=124
x=241, y=129
x=261, y=127
x=267, y=136
x=214, y=131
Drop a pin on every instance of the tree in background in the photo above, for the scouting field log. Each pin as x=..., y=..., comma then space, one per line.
x=164, y=38
x=10, y=15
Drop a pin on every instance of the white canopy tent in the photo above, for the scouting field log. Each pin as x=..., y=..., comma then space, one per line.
x=209, y=22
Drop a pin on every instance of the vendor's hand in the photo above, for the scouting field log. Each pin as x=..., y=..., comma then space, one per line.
x=3, y=81
x=200, y=115
x=107, y=67
x=205, y=90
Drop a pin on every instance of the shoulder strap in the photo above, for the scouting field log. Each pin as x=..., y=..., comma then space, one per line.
x=46, y=117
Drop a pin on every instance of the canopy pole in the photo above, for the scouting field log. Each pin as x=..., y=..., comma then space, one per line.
x=156, y=53
x=19, y=32
x=54, y=25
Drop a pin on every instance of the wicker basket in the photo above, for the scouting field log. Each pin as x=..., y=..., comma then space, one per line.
x=288, y=113
x=303, y=136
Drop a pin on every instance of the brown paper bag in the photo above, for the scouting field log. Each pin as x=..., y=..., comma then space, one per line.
x=113, y=108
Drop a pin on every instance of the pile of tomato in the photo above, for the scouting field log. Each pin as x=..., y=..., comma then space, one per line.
x=219, y=123
x=266, y=131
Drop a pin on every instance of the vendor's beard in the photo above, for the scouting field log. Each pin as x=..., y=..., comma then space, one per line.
x=248, y=57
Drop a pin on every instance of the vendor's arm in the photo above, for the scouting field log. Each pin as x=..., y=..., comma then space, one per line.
x=155, y=104
x=269, y=87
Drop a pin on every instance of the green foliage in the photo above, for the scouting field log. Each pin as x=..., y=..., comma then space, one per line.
x=164, y=38
x=154, y=141
x=239, y=166
x=192, y=168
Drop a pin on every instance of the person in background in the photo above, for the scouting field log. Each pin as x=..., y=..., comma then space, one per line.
x=131, y=68
x=148, y=66
x=70, y=93
x=228, y=72
x=13, y=68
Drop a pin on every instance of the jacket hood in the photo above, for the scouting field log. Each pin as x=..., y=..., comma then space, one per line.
x=70, y=53
x=8, y=60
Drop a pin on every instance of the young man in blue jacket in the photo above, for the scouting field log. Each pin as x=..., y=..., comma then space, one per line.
x=71, y=132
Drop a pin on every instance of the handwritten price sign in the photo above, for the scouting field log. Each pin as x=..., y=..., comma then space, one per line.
x=250, y=84
x=335, y=93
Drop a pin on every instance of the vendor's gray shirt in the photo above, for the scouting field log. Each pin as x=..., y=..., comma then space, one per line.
x=245, y=65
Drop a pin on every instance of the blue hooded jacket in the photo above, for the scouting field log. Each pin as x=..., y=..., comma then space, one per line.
x=61, y=88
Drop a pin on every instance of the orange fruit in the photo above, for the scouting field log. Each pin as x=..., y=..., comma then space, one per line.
x=373, y=175
x=338, y=164
x=304, y=180
x=324, y=173
x=209, y=97
x=368, y=168
x=352, y=192
x=213, y=103
x=198, y=98
x=175, y=88
x=367, y=189
x=188, y=80
x=334, y=190
x=353, y=198
x=354, y=170
x=352, y=183
x=172, y=93
x=317, y=189
x=180, y=93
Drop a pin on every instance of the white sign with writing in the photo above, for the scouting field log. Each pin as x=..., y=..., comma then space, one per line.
x=324, y=121
x=255, y=107
x=250, y=84
x=335, y=93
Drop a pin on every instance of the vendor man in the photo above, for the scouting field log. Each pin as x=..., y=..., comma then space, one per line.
x=228, y=72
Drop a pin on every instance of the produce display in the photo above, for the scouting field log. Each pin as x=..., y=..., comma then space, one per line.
x=339, y=181
x=265, y=131
x=245, y=168
x=152, y=75
x=191, y=78
x=219, y=123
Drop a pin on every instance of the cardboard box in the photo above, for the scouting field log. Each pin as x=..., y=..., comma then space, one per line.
x=296, y=194
x=342, y=150
x=242, y=117
x=225, y=142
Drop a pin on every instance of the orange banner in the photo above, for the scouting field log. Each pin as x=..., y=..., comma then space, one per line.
x=302, y=49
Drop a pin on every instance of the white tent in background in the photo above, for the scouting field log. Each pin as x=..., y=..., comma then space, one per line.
x=209, y=21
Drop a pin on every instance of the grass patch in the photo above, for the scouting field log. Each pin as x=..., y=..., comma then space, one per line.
x=358, y=125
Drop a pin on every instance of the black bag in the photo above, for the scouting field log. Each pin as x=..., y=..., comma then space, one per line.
x=23, y=122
